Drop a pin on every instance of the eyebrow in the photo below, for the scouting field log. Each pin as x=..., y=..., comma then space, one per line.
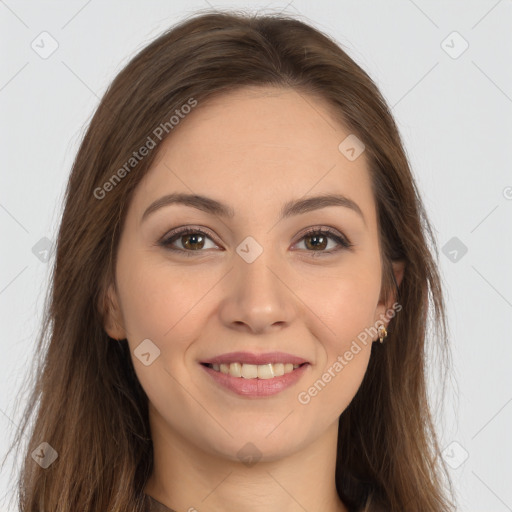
x=291, y=208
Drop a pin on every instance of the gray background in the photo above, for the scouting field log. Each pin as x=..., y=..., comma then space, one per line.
x=454, y=111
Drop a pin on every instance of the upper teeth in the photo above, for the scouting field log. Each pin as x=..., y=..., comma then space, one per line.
x=253, y=371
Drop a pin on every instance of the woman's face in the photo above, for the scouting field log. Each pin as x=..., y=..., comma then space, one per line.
x=253, y=281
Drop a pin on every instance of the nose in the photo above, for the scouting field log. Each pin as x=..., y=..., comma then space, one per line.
x=258, y=299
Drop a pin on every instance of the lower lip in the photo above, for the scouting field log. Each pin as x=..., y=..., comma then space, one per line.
x=257, y=387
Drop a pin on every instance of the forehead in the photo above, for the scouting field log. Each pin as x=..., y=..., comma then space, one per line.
x=257, y=148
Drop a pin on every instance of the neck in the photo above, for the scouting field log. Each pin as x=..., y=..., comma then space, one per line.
x=187, y=478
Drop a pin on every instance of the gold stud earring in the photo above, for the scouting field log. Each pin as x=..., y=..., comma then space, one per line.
x=382, y=333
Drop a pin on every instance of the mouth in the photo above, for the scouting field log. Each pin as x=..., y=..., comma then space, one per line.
x=254, y=371
x=255, y=381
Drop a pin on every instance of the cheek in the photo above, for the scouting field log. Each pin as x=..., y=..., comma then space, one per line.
x=343, y=310
x=162, y=301
x=343, y=302
x=344, y=306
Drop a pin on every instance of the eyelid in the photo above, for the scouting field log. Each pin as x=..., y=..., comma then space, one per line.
x=184, y=230
x=339, y=237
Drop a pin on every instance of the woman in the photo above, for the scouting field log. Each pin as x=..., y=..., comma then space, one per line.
x=239, y=304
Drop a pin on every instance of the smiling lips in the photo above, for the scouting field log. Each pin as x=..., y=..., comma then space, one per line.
x=251, y=366
x=256, y=375
x=253, y=371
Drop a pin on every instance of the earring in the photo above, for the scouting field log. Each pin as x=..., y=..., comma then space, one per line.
x=382, y=333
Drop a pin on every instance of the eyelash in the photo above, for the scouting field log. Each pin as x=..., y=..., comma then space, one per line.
x=343, y=242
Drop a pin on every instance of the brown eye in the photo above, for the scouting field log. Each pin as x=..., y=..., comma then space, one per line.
x=191, y=240
x=317, y=240
x=194, y=240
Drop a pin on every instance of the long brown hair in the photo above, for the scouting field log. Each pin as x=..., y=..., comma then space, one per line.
x=85, y=398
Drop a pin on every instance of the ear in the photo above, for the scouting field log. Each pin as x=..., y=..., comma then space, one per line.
x=398, y=270
x=383, y=307
x=113, y=322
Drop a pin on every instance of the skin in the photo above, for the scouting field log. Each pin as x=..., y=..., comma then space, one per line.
x=194, y=308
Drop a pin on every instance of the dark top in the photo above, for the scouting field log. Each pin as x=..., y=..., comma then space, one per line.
x=155, y=506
